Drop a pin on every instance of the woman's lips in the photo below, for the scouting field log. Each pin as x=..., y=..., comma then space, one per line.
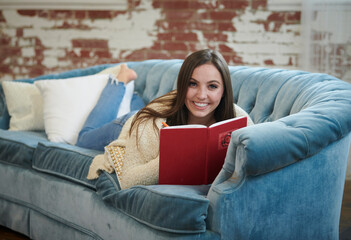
x=200, y=105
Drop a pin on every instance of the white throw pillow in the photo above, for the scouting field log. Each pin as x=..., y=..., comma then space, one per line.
x=25, y=106
x=67, y=104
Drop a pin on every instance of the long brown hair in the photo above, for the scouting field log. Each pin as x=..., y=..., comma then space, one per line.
x=172, y=105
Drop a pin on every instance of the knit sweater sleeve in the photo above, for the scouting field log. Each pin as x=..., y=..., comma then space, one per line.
x=141, y=158
x=143, y=174
x=103, y=162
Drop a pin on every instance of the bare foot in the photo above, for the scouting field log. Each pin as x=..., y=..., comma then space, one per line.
x=126, y=74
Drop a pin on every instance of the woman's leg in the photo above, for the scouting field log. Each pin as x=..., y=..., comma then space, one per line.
x=107, y=106
x=97, y=131
x=100, y=137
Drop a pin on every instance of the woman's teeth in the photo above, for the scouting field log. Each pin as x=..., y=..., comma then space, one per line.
x=201, y=104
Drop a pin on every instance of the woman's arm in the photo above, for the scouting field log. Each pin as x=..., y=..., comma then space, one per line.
x=145, y=174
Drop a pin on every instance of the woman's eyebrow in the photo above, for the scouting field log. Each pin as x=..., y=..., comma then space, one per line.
x=214, y=81
x=211, y=81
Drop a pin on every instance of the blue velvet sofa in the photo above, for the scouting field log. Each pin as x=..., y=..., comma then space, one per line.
x=283, y=177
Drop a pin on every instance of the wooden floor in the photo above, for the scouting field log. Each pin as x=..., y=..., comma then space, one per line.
x=7, y=234
x=345, y=220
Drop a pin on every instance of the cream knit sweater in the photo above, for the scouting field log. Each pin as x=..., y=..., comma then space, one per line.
x=137, y=165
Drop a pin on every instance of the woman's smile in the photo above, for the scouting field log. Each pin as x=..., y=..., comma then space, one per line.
x=201, y=105
x=204, y=94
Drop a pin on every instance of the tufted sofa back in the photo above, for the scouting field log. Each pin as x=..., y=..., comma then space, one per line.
x=266, y=94
x=299, y=113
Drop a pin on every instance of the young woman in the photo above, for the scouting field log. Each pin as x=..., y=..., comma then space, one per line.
x=204, y=96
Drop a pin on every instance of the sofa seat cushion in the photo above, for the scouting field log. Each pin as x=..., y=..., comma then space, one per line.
x=66, y=161
x=17, y=147
x=170, y=208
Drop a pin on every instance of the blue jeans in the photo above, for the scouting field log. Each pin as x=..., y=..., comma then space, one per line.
x=101, y=126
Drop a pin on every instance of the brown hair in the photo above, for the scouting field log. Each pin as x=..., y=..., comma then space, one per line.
x=173, y=103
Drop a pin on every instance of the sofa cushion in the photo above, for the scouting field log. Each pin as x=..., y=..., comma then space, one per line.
x=65, y=114
x=4, y=114
x=170, y=208
x=17, y=147
x=66, y=161
x=25, y=106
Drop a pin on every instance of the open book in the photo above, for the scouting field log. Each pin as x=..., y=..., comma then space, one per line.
x=194, y=154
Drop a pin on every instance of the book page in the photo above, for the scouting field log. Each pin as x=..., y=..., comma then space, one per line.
x=188, y=126
x=225, y=121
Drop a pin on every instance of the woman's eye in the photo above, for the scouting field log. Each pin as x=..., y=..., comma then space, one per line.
x=192, y=84
x=213, y=86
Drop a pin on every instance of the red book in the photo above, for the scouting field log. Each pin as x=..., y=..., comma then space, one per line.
x=194, y=154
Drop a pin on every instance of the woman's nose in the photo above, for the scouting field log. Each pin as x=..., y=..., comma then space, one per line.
x=201, y=93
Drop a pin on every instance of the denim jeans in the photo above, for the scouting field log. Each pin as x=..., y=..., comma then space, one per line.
x=101, y=126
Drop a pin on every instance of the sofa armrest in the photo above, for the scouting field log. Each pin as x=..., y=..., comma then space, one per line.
x=283, y=173
x=270, y=146
x=245, y=206
x=319, y=116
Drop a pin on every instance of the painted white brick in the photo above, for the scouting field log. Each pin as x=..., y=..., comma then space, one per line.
x=279, y=61
x=63, y=64
x=295, y=28
x=6, y=61
x=25, y=42
x=85, y=64
x=28, y=52
x=29, y=62
x=202, y=43
x=9, y=32
x=59, y=53
x=52, y=38
x=123, y=55
x=123, y=32
x=265, y=37
x=16, y=70
x=6, y=77
x=50, y=62
x=247, y=22
x=16, y=20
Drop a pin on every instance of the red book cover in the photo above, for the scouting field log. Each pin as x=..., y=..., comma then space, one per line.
x=194, y=154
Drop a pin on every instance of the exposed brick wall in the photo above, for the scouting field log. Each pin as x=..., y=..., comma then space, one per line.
x=331, y=42
x=35, y=42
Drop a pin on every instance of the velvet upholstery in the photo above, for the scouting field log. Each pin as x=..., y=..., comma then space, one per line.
x=66, y=161
x=17, y=147
x=159, y=206
x=283, y=178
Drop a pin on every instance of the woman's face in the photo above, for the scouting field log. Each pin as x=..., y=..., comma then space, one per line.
x=204, y=94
